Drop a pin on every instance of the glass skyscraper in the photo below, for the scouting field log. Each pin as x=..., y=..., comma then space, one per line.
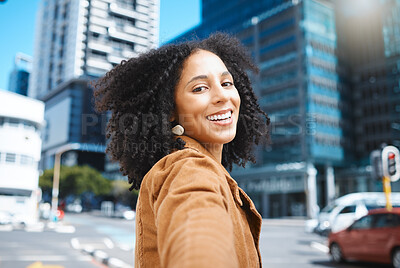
x=329, y=79
x=19, y=77
x=369, y=71
x=294, y=45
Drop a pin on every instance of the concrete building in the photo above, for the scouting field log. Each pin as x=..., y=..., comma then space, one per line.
x=78, y=41
x=21, y=121
x=19, y=77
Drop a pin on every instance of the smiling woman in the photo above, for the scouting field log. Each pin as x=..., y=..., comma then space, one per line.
x=181, y=114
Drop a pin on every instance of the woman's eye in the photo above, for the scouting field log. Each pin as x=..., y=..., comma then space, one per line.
x=227, y=84
x=199, y=89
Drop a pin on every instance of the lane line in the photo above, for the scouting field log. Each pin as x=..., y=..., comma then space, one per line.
x=319, y=247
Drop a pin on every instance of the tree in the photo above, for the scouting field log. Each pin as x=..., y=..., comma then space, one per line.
x=121, y=193
x=76, y=180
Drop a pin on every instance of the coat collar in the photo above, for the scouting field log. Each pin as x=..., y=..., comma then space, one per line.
x=238, y=194
x=195, y=145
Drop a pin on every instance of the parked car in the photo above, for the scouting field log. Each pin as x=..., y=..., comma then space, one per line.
x=122, y=211
x=372, y=238
x=341, y=213
x=75, y=207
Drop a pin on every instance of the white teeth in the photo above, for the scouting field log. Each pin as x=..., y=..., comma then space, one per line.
x=220, y=116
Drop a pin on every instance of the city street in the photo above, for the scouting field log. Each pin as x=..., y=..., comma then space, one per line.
x=90, y=240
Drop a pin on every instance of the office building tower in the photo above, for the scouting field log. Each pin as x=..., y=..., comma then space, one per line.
x=294, y=44
x=78, y=41
x=369, y=70
x=76, y=38
x=19, y=77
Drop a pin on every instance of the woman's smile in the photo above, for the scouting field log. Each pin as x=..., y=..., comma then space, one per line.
x=221, y=118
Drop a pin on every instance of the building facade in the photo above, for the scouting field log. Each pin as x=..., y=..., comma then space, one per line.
x=76, y=42
x=369, y=71
x=293, y=43
x=21, y=121
x=19, y=77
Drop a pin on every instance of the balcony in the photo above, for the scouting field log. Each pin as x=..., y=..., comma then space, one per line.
x=114, y=8
x=100, y=47
x=126, y=37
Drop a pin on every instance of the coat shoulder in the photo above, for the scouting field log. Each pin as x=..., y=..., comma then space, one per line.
x=181, y=164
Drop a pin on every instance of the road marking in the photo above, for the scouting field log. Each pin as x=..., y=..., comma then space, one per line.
x=320, y=247
x=67, y=229
x=108, y=243
x=38, y=264
x=125, y=247
x=100, y=256
x=75, y=243
x=117, y=263
x=39, y=227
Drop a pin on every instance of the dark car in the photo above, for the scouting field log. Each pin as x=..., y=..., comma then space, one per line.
x=372, y=238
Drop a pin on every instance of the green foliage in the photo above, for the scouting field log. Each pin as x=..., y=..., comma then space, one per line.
x=121, y=193
x=76, y=180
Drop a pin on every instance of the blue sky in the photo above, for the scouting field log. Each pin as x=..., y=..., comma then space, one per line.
x=17, y=26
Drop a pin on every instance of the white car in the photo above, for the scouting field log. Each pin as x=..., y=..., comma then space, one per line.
x=345, y=210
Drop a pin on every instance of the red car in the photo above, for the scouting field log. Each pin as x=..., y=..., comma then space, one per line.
x=372, y=238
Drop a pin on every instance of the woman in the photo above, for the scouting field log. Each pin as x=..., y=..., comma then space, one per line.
x=181, y=114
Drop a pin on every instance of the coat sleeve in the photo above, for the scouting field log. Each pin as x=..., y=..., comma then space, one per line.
x=194, y=228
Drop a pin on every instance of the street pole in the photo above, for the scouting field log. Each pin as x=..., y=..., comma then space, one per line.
x=387, y=190
x=56, y=177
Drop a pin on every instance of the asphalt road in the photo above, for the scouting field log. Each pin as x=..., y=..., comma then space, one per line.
x=90, y=240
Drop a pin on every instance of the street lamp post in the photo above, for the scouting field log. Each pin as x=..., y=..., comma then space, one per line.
x=56, y=177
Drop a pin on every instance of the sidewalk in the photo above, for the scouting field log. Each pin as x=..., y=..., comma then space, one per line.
x=300, y=222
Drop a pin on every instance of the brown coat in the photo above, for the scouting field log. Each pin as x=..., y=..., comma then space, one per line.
x=191, y=213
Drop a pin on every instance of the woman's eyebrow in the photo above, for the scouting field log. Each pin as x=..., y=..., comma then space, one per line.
x=197, y=78
x=226, y=73
x=203, y=76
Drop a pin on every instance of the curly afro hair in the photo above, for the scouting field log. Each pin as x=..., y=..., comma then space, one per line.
x=139, y=93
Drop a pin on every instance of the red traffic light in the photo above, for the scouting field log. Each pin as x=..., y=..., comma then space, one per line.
x=391, y=155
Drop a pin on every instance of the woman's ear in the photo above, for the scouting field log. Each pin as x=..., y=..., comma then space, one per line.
x=173, y=116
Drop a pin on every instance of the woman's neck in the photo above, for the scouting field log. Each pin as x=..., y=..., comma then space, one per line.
x=215, y=150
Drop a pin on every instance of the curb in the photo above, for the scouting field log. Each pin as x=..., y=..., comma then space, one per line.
x=100, y=256
x=103, y=258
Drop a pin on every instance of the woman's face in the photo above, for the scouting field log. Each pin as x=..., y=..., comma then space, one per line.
x=206, y=100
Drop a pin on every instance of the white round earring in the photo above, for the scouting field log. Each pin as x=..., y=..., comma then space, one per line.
x=178, y=130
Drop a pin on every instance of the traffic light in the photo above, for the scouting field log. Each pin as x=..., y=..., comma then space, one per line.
x=391, y=163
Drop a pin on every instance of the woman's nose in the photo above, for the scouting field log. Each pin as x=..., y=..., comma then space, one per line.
x=221, y=94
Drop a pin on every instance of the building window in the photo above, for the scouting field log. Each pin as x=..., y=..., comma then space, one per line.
x=10, y=158
x=13, y=122
x=26, y=160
